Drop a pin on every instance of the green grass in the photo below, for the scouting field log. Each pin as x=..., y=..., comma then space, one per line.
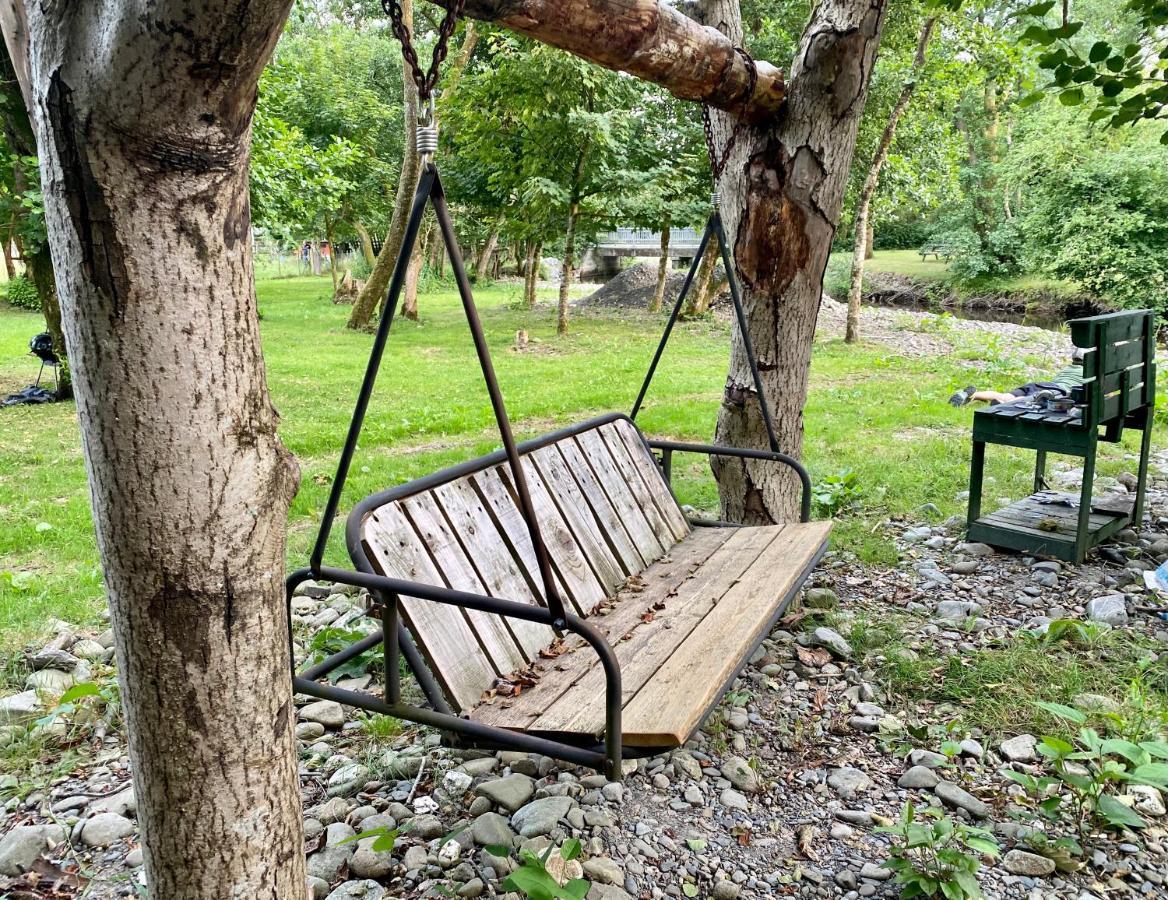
x=870, y=411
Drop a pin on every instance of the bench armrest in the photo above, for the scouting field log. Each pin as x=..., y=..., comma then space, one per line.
x=670, y=447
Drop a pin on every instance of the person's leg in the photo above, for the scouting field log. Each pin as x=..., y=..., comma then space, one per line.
x=993, y=397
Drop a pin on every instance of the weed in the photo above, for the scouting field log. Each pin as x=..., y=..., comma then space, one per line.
x=934, y=856
x=837, y=494
x=540, y=878
x=380, y=729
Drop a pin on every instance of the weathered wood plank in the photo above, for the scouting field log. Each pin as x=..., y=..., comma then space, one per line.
x=651, y=475
x=501, y=573
x=547, y=464
x=670, y=705
x=600, y=460
x=652, y=640
x=456, y=570
x=627, y=474
x=450, y=645
x=555, y=676
x=614, y=529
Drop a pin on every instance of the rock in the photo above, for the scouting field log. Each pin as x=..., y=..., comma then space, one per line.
x=309, y=731
x=738, y=772
x=328, y=713
x=831, y=640
x=961, y=799
x=427, y=827
x=918, y=778
x=318, y=888
x=510, y=792
x=820, y=598
x=415, y=858
x=403, y=764
x=22, y=845
x=970, y=747
x=123, y=803
x=927, y=758
x=88, y=649
x=1019, y=749
x=975, y=549
x=369, y=863
x=725, y=890
x=473, y=888
x=965, y=566
x=731, y=799
x=134, y=858
x=326, y=862
x=491, y=829
x=604, y=870
x=915, y=535
x=105, y=829
x=956, y=610
x=539, y=817
x=52, y=658
x=847, y=782
x=19, y=708
x=1149, y=801
x=456, y=782
x=358, y=890
x=1111, y=610
x=1019, y=862
x=449, y=853
x=607, y=892
x=875, y=872
x=50, y=682
x=348, y=779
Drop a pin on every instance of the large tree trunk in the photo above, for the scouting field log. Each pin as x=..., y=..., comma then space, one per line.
x=409, y=307
x=703, y=290
x=863, y=245
x=484, y=261
x=143, y=117
x=373, y=294
x=662, y=268
x=782, y=191
x=366, y=243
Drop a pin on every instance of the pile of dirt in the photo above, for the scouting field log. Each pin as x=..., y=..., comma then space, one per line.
x=634, y=287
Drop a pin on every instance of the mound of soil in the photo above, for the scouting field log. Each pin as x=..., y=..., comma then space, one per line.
x=633, y=288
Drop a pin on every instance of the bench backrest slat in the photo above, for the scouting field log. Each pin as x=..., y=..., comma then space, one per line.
x=605, y=512
x=1119, y=363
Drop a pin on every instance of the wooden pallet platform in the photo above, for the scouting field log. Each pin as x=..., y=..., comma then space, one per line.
x=1046, y=523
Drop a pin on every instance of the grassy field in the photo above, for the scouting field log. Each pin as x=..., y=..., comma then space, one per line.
x=910, y=264
x=871, y=412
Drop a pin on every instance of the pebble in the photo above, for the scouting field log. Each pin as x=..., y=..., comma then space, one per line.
x=1019, y=862
x=328, y=713
x=847, y=782
x=1110, y=610
x=1019, y=749
x=959, y=798
x=105, y=829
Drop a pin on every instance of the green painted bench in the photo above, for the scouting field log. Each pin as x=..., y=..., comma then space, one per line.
x=1120, y=371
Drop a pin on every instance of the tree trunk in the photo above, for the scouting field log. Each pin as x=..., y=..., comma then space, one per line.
x=366, y=244
x=869, y=252
x=143, y=117
x=863, y=246
x=484, y=261
x=314, y=259
x=569, y=265
x=9, y=265
x=373, y=295
x=329, y=233
x=662, y=268
x=531, y=272
x=782, y=191
x=704, y=289
x=413, y=273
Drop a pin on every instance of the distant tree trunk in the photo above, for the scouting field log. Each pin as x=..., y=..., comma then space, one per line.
x=314, y=257
x=869, y=252
x=662, y=268
x=497, y=268
x=703, y=289
x=329, y=233
x=570, y=236
x=373, y=295
x=143, y=119
x=863, y=245
x=531, y=271
x=9, y=266
x=488, y=252
x=414, y=271
x=366, y=244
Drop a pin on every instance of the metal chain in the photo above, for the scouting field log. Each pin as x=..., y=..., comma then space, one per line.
x=424, y=80
x=718, y=164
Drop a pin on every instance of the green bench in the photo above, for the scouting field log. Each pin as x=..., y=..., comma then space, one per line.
x=1120, y=371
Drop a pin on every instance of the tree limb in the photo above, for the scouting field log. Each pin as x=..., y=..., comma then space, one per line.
x=648, y=39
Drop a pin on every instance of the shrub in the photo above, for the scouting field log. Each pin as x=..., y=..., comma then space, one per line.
x=934, y=856
x=22, y=293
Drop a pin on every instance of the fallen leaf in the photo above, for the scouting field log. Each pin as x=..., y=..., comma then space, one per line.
x=805, y=842
x=813, y=657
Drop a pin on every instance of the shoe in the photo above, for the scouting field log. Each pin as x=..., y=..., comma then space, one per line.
x=962, y=397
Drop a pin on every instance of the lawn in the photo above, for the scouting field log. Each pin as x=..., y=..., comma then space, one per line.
x=870, y=412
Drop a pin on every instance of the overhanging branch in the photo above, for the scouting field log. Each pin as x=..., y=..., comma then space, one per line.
x=648, y=39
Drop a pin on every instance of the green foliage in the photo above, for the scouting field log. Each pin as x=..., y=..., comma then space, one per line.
x=328, y=641
x=533, y=880
x=22, y=293
x=934, y=856
x=386, y=838
x=837, y=494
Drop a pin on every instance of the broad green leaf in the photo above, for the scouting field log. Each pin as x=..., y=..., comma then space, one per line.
x=78, y=691
x=1155, y=774
x=1039, y=9
x=1054, y=746
x=1118, y=814
x=1036, y=34
x=1030, y=99
x=1058, y=709
x=1100, y=50
x=571, y=849
x=576, y=889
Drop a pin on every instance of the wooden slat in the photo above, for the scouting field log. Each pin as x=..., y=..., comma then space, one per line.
x=453, y=651
x=600, y=460
x=651, y=475
x=547, y=464
x=500, y=572
x=1112, y=327
x=627, y=474
x=614, y=530
x=451, y=562
x=669, y=707
x=649, y=644
x=582, y=590
x=1118, y=357
x=556, y=676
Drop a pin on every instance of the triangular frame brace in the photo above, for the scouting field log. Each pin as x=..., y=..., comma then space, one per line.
x=430, y=192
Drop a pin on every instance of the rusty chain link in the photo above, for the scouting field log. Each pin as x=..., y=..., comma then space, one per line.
x=424, y=80
x=718, y=164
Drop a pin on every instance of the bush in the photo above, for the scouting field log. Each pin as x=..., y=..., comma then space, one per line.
x=359, y=268
x=895, y=234
x=22, y=293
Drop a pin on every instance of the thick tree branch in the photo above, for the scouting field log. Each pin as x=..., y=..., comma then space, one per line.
x=648, y=39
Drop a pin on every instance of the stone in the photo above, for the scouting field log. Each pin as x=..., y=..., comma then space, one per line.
x=105, y=829
x=358, y=890
x=831, y=640
x=539, y=817
x=959, y=798
x=50, y=682
x=956, y=610
x=604, y=870
x=318, y=888
x=22, y=845
x=456, y=782
x=52, y=658
x=415, y=858
x=1019, y=749
x=135, y=858
x=847, y=782
x=427, y=827
x=731, y=799
x=970, y=747
x=918, y=778
x=607, y=892
x=1110, y=610
x=875, y=872
x=1149, y=801
x=738, y=772
x=309, y=731
x=510, y=792
x=348, y=780
x=1019, y=862
x=449, y=853
x=820, y=598
x=725, y=890
x=965, y=566
x=975, y=549
x=18, y=708
x=326, y=863
x=88, y=649
x=491, y=829
x=927, y=758
x=369, y=863
x=328, y=713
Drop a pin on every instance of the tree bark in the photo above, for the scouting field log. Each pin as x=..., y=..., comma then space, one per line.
x=329, y=233
x=863, y=244
x=366, y=243
x=531, y=272
x=704, y=289
x=9, y=265
x=143, y=117
x=662, y=268
x=414, y=272
x=373, y=295
x=569, y=266
x=488, y=252
x=782, y=191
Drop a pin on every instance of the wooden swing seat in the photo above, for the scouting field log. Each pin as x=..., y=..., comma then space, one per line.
x=683, y=607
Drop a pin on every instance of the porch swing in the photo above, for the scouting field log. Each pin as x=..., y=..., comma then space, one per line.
x=552, y=597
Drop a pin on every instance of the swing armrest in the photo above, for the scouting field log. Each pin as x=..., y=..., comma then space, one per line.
x=668, y=448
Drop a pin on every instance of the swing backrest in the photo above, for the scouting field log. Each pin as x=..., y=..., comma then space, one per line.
x=605, y=512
